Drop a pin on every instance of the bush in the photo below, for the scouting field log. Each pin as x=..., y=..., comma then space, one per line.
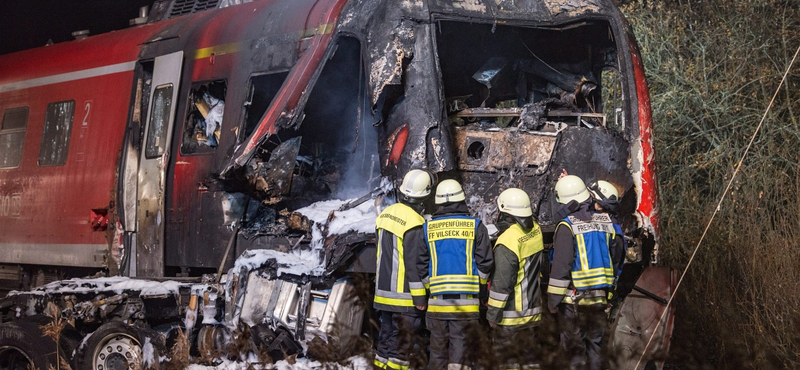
x=713, y=67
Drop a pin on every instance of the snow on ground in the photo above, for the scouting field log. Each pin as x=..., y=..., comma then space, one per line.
x=115, y=284
x=352, y=363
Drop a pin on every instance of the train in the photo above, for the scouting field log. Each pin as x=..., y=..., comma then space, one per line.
x=216, y=169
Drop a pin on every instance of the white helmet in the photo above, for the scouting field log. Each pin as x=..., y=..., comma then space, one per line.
x=514, y=202
x=570, y=188
x=603, y=190
x=449, y=191
x=416, y=185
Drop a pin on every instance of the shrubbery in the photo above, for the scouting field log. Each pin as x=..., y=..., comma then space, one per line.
x=713, y=67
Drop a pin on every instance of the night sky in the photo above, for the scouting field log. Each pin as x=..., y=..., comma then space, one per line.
x=28, y=24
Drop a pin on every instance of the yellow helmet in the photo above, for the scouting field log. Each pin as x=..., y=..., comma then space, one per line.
x=449, y=191
x=514, y=202
x=603, y=190
x=416, y=185
x=570, y=188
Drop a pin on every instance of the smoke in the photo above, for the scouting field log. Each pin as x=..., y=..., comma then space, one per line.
x=338, y=127
x=361, y=170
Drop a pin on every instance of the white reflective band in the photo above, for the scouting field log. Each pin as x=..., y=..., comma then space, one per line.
x=559, y=283
x=449, y=195
x=498, y=296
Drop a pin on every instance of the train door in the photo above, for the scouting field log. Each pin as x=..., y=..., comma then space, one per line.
x=153, y=163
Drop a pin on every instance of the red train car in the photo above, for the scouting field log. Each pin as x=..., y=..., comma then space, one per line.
x=166, y=149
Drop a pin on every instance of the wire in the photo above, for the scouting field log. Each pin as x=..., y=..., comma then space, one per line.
x=722, y=198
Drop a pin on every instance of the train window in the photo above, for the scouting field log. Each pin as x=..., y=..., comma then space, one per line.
x=263, y=89
x=55, y=138
x=204, y=117
x=12, y=136
x=159, y=121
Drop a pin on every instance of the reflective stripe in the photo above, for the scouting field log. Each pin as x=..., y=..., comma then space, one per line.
x=556, y=290
x=417, y=288
x=394, y=301
x=453, y=309
x=559, y=283
x=496, y=303
x=521, y=320
x=587, y=283
x=455, y=288
x=454, y=279
x=380, y=362
x=592, y=272
x=526, y=313
x=498, y=296
x=397, y=364
x=396, y=263
x=393, y=295
x=482, y=275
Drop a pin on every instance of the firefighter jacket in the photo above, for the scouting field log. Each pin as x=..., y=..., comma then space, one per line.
x=394, y=225
x=515, y=293
x=583, y=271
x=455, y=264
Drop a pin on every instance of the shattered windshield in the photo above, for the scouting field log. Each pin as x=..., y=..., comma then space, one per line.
x=532, y=78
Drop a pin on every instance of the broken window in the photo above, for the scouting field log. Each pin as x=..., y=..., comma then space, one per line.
x=263, y=89
x=611, y=81
x=205, y=108
x=159, y=121
x=330, y=153
x=55, y=138
x=12, y=136
x=532, y=78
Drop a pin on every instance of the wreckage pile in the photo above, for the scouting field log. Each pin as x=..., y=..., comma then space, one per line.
x=713, y=68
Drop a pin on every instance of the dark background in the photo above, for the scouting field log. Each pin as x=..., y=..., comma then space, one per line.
x=31, y=23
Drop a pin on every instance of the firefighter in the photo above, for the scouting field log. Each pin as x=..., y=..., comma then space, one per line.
x=582, y=273
x=454, y=267
x=399, y=222
x=606, y=200
x=515, y=294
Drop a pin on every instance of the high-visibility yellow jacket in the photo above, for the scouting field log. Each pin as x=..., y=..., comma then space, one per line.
x=515, y=293
x=392, y=291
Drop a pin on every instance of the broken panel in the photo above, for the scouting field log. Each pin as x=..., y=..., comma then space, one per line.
x=331, y=154
x=262, y=90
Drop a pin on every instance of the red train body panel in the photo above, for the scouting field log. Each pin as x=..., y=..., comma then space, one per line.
x=48, y=221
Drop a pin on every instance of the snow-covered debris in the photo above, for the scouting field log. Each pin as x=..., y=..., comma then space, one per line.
x=352, y=363
x=297, y=262
x=359, y=219
x=115, y=284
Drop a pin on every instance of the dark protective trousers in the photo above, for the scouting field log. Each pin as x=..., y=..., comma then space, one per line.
x=581, y=334
x=517, y=347
x=448, y=345
x=396, y=337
